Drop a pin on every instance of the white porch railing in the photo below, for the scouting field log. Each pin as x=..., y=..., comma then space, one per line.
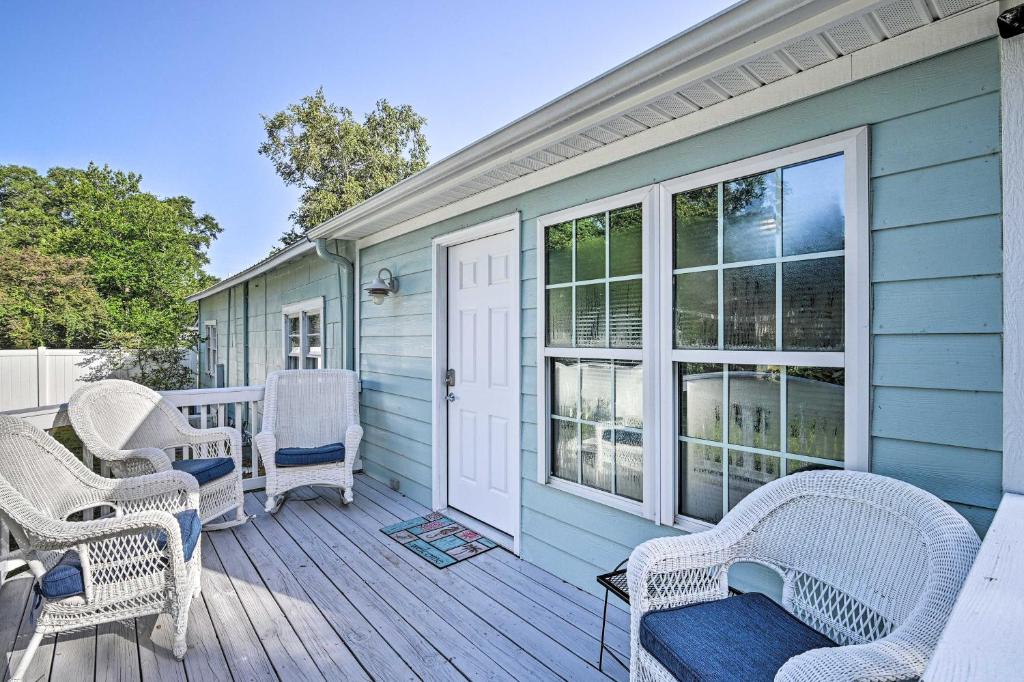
x=239, y=407
x=982, y=640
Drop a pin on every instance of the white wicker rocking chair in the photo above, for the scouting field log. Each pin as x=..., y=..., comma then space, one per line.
x=873, y=563
x=307, y=409
x=131, y=564
x=132, y=427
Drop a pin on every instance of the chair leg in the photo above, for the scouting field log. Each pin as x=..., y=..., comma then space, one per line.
x=26, y=657
x=273, y=503
x=181, y=629
x=240, y=518
x=346, y=495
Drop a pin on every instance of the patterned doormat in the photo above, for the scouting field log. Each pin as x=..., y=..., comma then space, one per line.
x=438, y=539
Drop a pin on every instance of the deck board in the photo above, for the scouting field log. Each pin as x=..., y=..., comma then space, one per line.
x=318, y=592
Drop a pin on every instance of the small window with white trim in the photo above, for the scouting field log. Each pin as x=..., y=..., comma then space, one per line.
x=210, y=339
x=303, y=334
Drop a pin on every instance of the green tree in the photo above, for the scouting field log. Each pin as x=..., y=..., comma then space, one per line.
x=91, y=260
x=337, y=161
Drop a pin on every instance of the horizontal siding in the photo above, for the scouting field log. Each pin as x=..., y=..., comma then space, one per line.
x=935, y=296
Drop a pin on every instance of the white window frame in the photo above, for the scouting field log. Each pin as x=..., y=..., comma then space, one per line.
x=210, y=332
x=658, y=355
x=646, y=197
x=853, y=144
x=303, y=310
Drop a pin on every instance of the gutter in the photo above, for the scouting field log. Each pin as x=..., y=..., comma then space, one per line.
x=346, y=299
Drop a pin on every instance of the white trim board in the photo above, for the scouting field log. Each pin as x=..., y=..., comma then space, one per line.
x=439, y=354
x=1011, y=57
x=942, y=36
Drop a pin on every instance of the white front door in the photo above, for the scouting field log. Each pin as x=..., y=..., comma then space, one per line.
x=482, y=399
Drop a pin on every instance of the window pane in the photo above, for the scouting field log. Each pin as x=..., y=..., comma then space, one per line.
x=590, y=247
x=748, y=472
x=626, y=234
x=750, y=307
x=313, y=324
x=700, y=483
x=812, y=304
x=558, y=253
x=754, y=398
x=559, y=313
x=596, y=391
x=626, y=313
x=700, y=400
x=565, y=451
x=629, y=464
x=696, y=310
x=695, y=221
x=565, y=387
x=293, y=343
x=310, y=363
x=813, y=218
x=629, y=393
x=590, y=316
x=815, y=411
x=748, y=224
x=291, y=362
x=598, y=455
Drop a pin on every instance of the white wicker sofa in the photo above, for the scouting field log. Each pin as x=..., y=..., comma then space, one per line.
x=141, y=558
x=868, y=562
x=132, y=427
x=306, y=409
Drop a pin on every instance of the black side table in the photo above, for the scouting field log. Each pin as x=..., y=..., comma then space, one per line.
x=613, y=583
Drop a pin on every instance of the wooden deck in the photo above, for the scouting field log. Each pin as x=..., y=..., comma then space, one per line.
x=318, y=592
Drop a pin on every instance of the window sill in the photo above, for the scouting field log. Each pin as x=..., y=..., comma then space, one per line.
x=685, y=523
x=599, y=496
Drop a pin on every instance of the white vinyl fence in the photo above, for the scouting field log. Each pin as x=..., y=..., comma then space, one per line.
x=45, y=376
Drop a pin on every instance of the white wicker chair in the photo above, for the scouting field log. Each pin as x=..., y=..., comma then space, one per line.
x=132, y=427
x=873, y=563
x=305, y=409
x=132, y=563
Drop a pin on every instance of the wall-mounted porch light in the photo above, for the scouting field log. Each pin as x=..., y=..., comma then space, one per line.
x=383, y=286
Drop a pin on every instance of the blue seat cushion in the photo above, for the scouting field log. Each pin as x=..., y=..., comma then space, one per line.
x=747, y=637
x=191, y=527
x=297, y=457
x=65, y=578
x=205, y=469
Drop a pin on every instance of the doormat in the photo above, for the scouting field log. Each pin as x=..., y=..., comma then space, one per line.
x=438, y=539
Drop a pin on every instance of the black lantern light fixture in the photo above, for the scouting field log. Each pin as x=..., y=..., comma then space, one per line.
x=1011, y=22
x=383, y=286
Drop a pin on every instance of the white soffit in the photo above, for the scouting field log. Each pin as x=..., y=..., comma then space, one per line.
x=841, y=28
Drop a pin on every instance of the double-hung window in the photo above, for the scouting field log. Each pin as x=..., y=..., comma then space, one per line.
x=695, y=347
x=763, y=324
x=210, y=335
x=594, y=349
x=303, y=334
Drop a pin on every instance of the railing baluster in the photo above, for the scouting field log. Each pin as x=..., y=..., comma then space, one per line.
x=220, y=415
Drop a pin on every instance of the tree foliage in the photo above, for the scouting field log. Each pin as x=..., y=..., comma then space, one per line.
x=337, y=161
x=88, y=259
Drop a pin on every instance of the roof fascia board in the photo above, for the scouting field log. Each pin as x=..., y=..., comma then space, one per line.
x=744, y=32
x=942, y=36
x=290, y=253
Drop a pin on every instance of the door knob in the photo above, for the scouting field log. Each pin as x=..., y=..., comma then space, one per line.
x=451, y=397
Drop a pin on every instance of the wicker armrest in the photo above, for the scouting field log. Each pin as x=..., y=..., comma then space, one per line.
x=889, y=658
x=672, y=571
x=171, y=491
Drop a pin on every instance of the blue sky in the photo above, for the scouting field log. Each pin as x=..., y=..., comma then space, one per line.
x=174, y=91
